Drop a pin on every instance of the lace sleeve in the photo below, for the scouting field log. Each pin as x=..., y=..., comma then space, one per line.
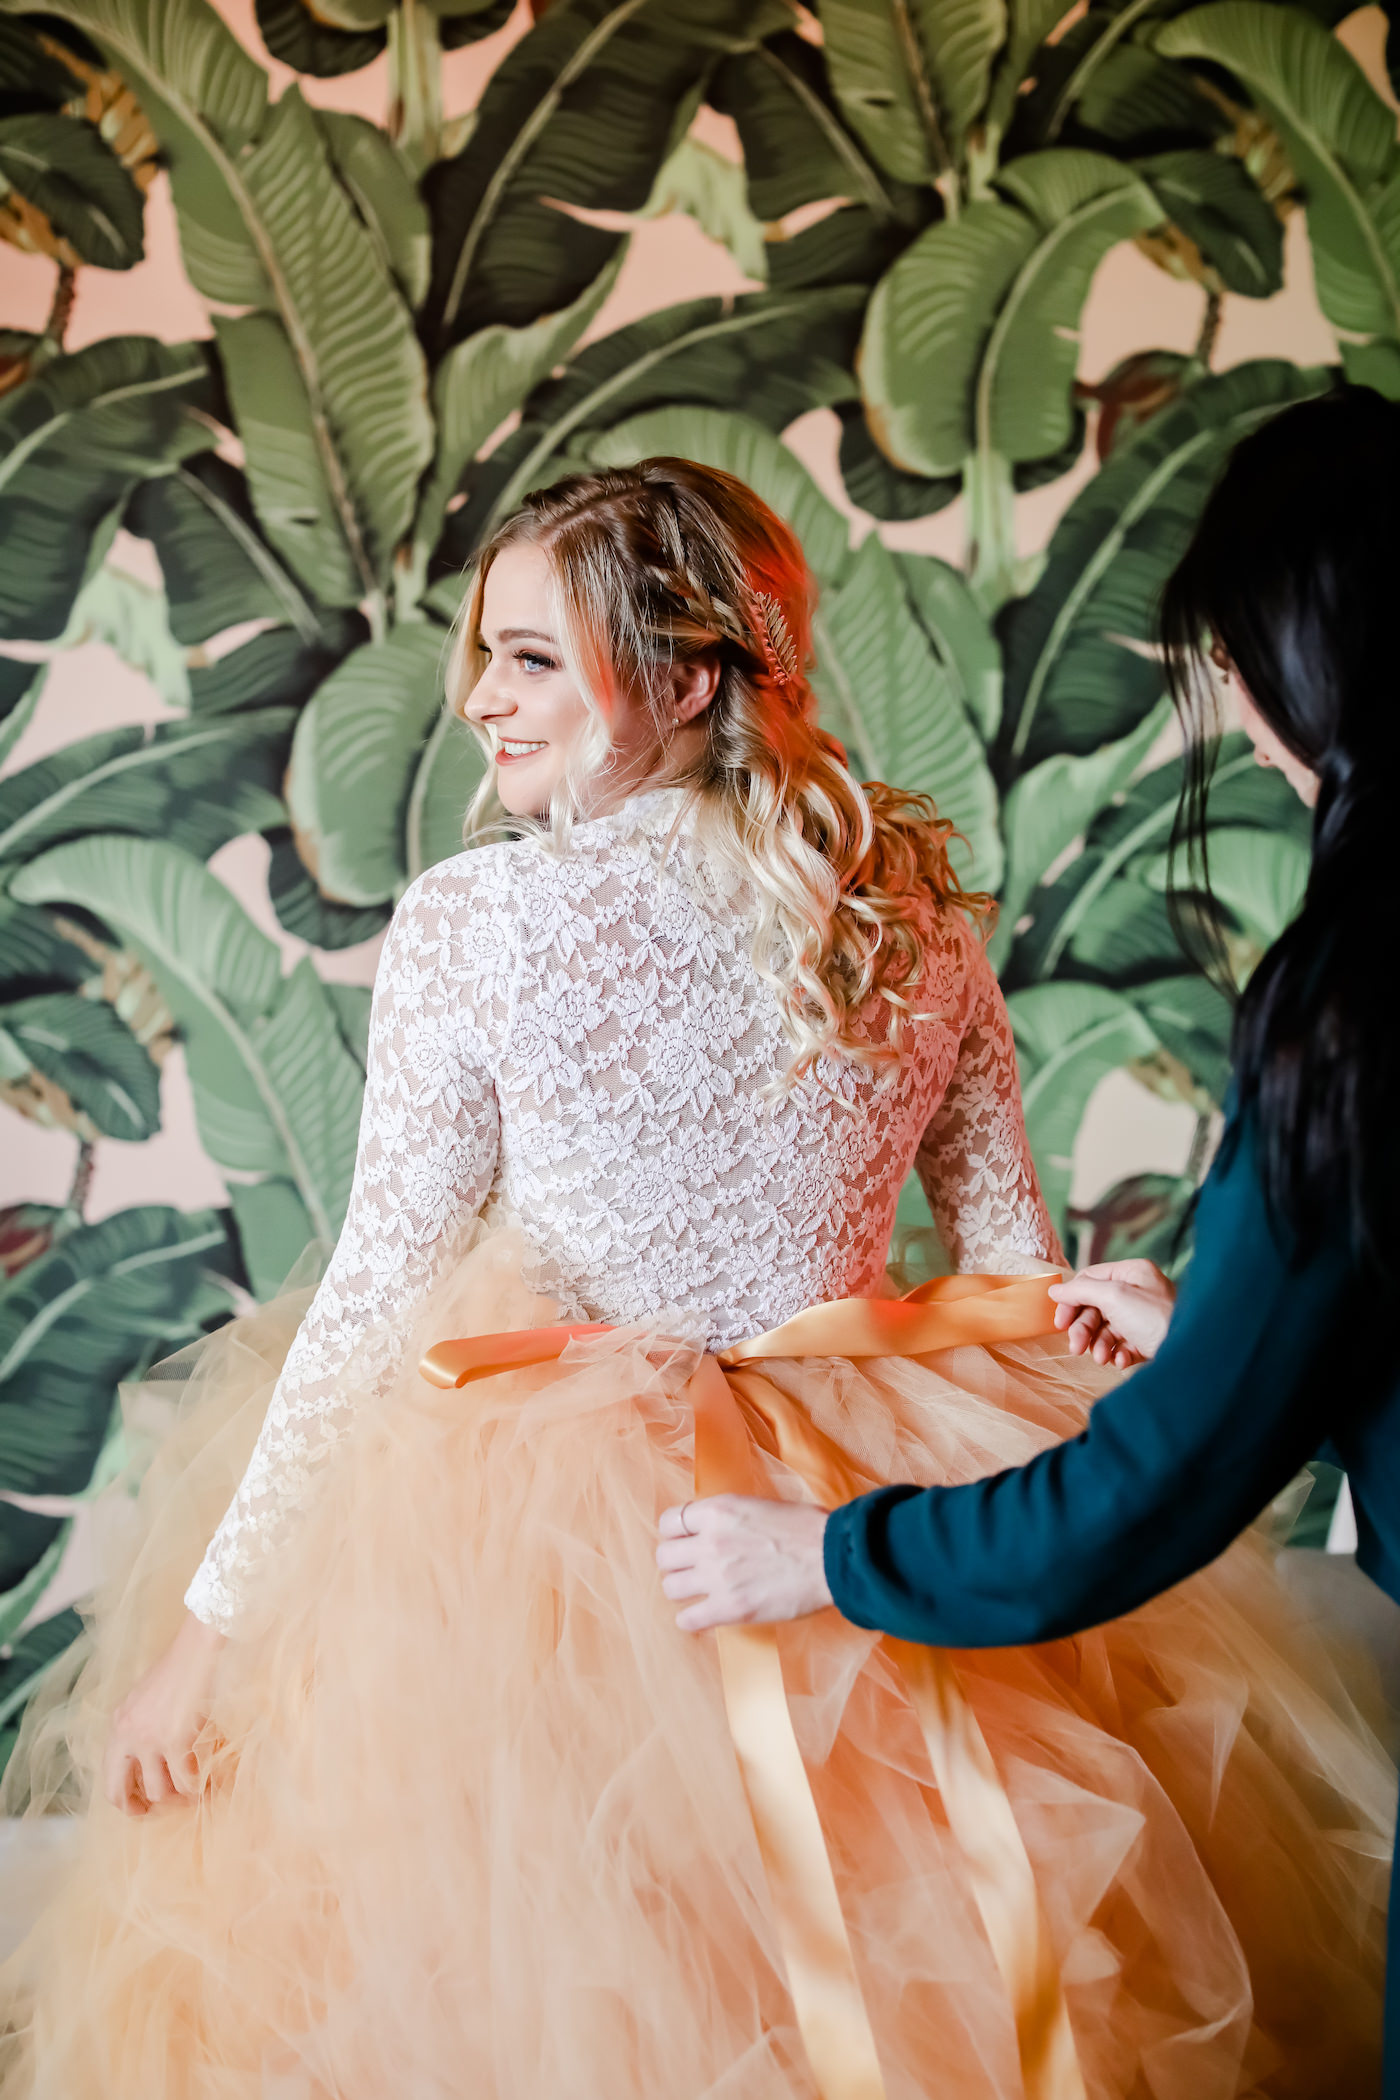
x=974, y=1161
x=427, y=1155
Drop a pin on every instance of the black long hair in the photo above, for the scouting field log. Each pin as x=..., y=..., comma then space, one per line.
x=1294, y=572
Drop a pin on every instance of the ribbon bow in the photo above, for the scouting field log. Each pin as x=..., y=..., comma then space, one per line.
x=727, y=1397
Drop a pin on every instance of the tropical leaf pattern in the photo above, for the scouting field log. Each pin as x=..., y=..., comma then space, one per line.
x=411, y=326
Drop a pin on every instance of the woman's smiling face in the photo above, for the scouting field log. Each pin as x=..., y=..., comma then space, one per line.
x=530, y=705
x=525, y=699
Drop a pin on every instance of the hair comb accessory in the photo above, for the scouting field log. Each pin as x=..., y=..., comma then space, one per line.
x=774, y=638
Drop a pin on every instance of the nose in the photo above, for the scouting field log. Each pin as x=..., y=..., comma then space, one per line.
x=486, y=699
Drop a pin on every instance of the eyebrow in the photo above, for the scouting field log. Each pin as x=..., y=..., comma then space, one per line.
x=522, y=634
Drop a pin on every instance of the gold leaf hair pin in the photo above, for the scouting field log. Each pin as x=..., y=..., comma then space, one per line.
x=774, y=638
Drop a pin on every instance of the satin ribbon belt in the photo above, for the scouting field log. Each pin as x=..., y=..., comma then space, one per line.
x=737, y=1410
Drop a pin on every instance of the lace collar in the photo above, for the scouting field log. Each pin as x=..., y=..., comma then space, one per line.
x=651, y=809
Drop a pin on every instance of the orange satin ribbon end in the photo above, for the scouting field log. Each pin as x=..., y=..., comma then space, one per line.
x=456, y=1363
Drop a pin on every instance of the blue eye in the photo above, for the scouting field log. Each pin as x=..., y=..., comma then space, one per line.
x=533, y=662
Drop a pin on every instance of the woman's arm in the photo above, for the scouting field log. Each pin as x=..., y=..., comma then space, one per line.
x=974, y=1161
x=1171, y=1467
x=426, y=1158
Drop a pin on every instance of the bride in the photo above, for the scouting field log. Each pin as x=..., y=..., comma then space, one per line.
x=396, y=1776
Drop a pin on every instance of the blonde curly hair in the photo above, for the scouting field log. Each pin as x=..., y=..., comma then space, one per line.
x=668, y=563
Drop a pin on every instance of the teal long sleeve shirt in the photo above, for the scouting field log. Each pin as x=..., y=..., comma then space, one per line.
x=1268, y=1357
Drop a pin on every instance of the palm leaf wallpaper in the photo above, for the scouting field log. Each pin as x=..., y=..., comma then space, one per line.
x=403, y=336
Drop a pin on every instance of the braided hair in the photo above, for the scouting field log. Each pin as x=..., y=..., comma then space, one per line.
x=669, y=563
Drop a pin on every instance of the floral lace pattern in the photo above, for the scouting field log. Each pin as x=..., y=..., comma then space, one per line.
x=580, y=1043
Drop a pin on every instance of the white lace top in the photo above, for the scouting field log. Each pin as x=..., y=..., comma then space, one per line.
x=580, y=1043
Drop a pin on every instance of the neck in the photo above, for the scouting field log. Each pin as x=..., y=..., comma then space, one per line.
x=662, y=766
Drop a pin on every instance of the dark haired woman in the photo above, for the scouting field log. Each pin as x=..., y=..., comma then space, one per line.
x=1285, y=1334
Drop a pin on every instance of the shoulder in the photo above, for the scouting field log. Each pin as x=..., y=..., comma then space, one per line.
x=494, y=902
x=459, y=900
x=959, y=979
x=454, y=943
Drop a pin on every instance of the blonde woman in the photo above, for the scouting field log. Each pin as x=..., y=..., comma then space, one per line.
x=420, y=1791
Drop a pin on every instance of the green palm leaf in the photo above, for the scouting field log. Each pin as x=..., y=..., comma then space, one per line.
x=74, y=441
x=301, y=40
x=912, y=75
x=780, y=354
x=266, y=224
x=275, y=1088
x=319, y=1084
x=1218, y=205
x=20, y=687
x=351, y=358
x=17, y=1602
x=274, y=1231
x=206, y=100
x=1096, y=78
x=303, y=911
x=1129, y=95
x=447, y=777
x=798, y=150
x=358, y=746
x=888, y=697
x=1259, y=875
x=1340, y=137
x=26, y=68
x=34, y=956
x=1077, y=669
x=133, y=619
x=971, y=340
x=1125, y=937
x=1068, y=1038
x=1128, y=839
x=65, y=167
x=743, y=447
x=195, y=784
x=1193, y=1021
x=101, y=1082
x=218, y=568
x=1051, y=806
x=381, y=182
x=876, y=485
x=304, y=509
x=960, y=632
x=482, y=381
x=275, y=668
x=1030, y=22
x=711, y=189
x=76, y=1321
x=583, y=110
x=27, y=1664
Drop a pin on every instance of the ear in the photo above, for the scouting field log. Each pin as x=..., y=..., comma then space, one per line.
x=693, y=687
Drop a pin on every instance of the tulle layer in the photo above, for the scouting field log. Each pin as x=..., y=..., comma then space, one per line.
x=474, y=1827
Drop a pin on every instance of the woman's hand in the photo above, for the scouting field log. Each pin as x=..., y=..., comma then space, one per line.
x=1118, y=1310
x=150, y=1748
x=747, y=1561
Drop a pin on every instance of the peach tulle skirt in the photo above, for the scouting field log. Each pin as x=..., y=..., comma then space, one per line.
x=474, y=1828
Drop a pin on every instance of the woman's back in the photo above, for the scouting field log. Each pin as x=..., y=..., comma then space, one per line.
x=599, y=1019
x=580, y=1044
